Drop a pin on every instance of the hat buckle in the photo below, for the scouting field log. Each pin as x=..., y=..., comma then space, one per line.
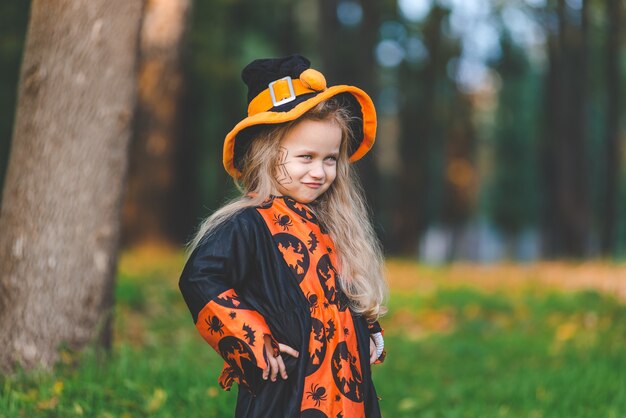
x=287, y=99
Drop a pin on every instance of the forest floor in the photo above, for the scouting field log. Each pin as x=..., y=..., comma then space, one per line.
x=545, y=340
x=602, y=276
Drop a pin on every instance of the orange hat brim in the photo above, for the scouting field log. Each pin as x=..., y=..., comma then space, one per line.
x=264, y=118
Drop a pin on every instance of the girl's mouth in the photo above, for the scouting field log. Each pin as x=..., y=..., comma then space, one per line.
x=313, y=185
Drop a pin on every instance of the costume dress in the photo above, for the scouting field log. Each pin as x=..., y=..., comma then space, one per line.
x=270, y=270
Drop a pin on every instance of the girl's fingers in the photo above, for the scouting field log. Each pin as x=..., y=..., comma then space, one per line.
x=288, y=350
x=269, y=348
x=276, y=365
x=273, y=368
x=271, y=364
x=281, y=367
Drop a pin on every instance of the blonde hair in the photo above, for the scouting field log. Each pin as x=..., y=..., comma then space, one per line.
x=342, y=210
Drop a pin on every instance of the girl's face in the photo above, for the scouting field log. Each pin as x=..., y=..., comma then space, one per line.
x=308, y=159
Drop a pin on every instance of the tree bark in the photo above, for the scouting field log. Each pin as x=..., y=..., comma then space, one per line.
x=152, y=207
x=59, y=221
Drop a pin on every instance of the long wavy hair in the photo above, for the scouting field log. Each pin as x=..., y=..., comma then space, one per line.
x=342, y=209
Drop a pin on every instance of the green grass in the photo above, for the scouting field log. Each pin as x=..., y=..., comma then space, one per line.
x=452, y=352
x=532, y=355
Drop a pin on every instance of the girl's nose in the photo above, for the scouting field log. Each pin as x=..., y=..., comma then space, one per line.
x=317, y=171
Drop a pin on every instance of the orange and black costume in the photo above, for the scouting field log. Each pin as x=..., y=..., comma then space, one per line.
x=271, y=270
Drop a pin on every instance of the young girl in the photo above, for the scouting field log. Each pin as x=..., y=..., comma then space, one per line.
x=285, y=282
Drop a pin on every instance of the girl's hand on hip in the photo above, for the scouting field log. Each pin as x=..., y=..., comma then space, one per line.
x=276, y=365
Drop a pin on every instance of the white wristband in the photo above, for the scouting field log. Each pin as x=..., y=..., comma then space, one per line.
x=379, y=342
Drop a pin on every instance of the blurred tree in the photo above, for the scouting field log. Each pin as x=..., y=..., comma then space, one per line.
x=158, y=203
x=62, y=196
x=514, y=192
x=459, y=172
x=613, y=150
x=13, y=19
x=209, y=108
x=567, y=208
x=424, y=119
x=225, y=36
x=350, y=29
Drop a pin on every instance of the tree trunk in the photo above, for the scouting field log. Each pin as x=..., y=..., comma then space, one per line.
x=62, y=196
x=415, y=192
x=13, y=20
x=571, y=217
x=548, y=152
x=328, y=37
x=613, y=151
x=348, y=58
x=576, y=210
x=364, y=73
x=152, y=206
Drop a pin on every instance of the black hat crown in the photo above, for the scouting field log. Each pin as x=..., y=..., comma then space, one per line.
x=259, y=73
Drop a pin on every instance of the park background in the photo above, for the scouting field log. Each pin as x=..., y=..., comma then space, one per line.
x=497, y=186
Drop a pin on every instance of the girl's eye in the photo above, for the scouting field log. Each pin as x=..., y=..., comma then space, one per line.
x=306, y=157
x=331, y=159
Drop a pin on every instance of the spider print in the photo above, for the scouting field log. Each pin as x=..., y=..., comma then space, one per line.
x=232, y=314
x=283, y=176
x=317, y=393
x=346, y=331
x=284, y=221
x=215, y=325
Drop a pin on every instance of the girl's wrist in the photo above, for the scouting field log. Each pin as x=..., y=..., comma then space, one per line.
x=379, y=342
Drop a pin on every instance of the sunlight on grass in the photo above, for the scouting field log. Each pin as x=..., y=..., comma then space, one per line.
x=544, y=341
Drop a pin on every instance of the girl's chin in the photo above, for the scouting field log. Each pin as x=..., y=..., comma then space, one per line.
x=302, y=192
x=303, y=198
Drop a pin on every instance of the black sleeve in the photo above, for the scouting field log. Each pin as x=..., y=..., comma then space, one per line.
x=221, y=263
